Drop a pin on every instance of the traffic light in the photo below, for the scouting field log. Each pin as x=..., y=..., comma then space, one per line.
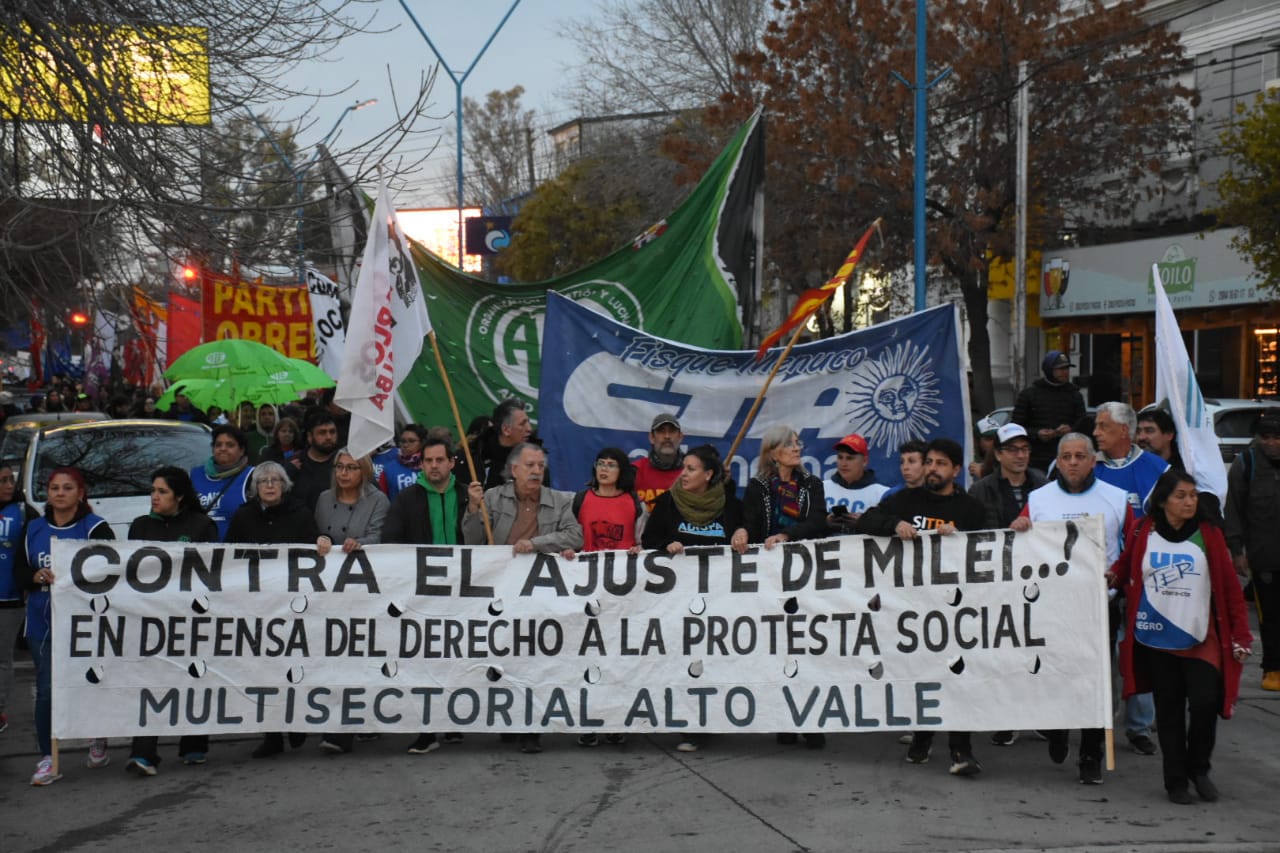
x=79, y=319
x=190, y=273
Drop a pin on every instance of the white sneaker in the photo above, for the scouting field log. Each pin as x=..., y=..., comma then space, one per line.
x=44, y=774
x=98, y=753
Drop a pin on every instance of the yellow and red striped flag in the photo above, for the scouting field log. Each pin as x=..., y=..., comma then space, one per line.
x=811, y=300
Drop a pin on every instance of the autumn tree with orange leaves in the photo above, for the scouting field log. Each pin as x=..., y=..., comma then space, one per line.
x=1106, y=111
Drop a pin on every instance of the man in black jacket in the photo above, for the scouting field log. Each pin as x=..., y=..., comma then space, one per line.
x=1049, y=408
x=937, y=505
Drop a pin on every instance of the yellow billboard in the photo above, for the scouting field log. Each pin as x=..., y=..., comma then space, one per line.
x=101, y=73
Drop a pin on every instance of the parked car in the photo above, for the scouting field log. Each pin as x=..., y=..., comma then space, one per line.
x=117, y=458
x=19, y=429
x=1233, y=422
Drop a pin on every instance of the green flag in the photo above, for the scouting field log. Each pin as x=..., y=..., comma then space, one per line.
x=683, y=279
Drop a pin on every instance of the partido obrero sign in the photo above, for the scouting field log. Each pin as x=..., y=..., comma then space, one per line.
x=990, y=629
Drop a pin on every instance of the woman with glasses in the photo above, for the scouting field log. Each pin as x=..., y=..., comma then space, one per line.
x=612, y=518
x=272, y=516
x=349, y=515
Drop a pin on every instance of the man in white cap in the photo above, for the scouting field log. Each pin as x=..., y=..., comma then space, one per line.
x=1004, y=491
x=853, y=487
x=656, y=472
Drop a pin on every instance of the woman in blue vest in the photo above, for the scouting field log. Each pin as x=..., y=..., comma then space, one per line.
x=14, y=516
x=222, y=482
x=67, y=515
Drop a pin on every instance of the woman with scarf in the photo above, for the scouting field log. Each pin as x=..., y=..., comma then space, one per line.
x=398, y=467
x=176, y=516
x=222, y=482
x=286, y=442
x=1187, y=630
x=697, y=510
x=273, y=516
x=67, y=515
x=783, y=503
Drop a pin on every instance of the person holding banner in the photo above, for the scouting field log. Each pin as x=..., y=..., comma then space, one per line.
x=1076, y=493
x=222, y=482
x=940, y=507
x=525, y=515
x=15, y=515
x=176, y=516
x=273, y=516
x=697, y=510
x=67, y=515
x=1187, y=631
x=853, y=486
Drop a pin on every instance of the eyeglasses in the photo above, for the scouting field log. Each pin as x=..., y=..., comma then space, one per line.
x=271, y=481
x=7, y=479
x=606, y=464
x=345, y=467
x=796, y=443
x=1019, y=449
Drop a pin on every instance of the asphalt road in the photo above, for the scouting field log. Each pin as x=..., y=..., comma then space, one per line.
x=740, y=793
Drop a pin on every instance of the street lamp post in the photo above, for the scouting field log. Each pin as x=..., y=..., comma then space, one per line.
x=299, y=174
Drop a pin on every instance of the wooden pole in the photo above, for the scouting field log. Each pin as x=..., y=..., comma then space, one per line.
x=755, y=407
x=54, y=756
x=462, y=431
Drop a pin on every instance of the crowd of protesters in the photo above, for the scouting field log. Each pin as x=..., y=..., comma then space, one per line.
x=284, y=474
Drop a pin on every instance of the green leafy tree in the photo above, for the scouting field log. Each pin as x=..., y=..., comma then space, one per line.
x=841, y=143
x=1250, y=187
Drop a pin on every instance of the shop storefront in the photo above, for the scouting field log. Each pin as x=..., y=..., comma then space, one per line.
x=1099, y=302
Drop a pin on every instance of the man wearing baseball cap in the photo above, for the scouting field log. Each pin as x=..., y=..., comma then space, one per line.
x=1049, y=408
x=1004, y=491
x=656, y=472
x=853, y=487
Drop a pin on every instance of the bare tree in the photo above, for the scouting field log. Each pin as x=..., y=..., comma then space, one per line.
x=123, y=124
x=499, y=136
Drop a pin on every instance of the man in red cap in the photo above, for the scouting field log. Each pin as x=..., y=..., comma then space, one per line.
x=853, y=487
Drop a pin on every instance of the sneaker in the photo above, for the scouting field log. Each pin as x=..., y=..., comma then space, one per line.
x=423, y=745
x=193, y=758
x=328, y=746
x=688, y=744
x=4, y=722
x=272, y=744
x=453, y=737
x=98, y=753
x=1177, y=795
x=1205, y=788
x=368, y=736
x=615, y=739
x=589, y=739
x=140, y=767
x=297, y=739
x=44, y=774
x=1090, y=771
x=964, y=764
x=1059, y=749
x=1270, y=681
x=918, y=752
x=531, y=744
x=1142, y=744
x=1004, y=738
x=906, y=739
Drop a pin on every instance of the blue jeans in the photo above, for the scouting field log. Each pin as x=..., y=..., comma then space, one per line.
x=42, y=656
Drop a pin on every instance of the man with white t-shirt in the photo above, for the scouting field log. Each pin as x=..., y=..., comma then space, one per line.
x=1076, y=493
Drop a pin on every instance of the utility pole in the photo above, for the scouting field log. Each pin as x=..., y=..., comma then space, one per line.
x=1018, y=350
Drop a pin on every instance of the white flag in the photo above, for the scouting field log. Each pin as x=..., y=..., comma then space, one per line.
x=326, y=319
x=384, y=336
x=1176, y=382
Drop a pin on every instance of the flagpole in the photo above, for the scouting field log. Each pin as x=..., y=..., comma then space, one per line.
x=462, y=431
x=755, y=407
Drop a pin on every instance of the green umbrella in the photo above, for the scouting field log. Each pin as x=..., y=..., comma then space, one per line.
x=229, y=357
x=226, y=373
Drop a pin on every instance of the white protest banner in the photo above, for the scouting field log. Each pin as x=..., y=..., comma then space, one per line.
x=326, y=316
x=985, y=630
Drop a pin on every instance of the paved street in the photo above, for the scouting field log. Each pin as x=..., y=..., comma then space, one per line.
x=741, y=793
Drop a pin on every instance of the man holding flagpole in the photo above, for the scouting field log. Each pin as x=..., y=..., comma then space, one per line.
x=387, y=326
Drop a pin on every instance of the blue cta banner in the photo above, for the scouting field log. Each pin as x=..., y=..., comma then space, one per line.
x=603, y=383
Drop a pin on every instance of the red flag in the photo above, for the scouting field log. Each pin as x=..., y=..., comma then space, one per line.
x=185, y=326
x=811, y=300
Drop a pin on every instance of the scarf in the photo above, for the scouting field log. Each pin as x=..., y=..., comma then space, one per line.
x=658, y=465
x=699, y=509
x=444, y=524
x=787, y=512
x=213, y=472
x=412, y=460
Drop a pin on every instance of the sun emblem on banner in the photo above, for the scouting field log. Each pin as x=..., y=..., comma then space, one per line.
x=895, y=397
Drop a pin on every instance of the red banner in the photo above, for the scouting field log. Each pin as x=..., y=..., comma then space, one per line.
x=184, y=330
x=278, y=316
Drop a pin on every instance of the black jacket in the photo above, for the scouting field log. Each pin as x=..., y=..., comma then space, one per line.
x=408, y=521
x=923, y=510
x=757, y=509
x=1045, y=405
x=994, y=492
x=665, y=524
x=186, y=526
x=286, y=522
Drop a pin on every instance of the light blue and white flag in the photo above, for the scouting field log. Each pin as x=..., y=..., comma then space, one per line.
x=603, y=383
x=1176, y=383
